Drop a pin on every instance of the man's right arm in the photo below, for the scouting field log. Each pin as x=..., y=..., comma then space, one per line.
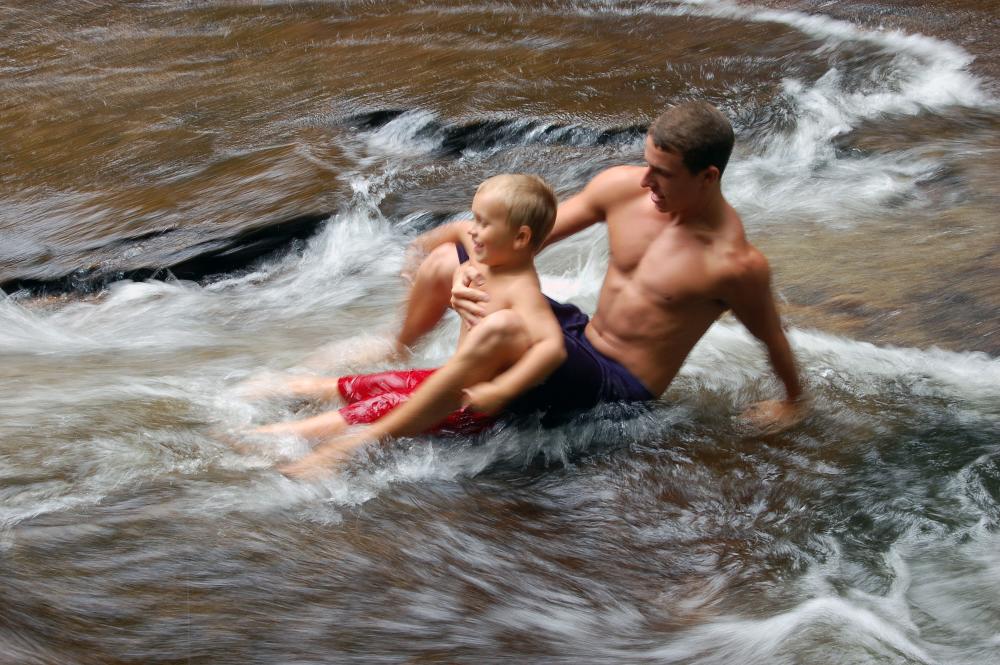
x=584, y=208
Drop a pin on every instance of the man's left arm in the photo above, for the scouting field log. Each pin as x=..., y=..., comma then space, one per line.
x=749, y=295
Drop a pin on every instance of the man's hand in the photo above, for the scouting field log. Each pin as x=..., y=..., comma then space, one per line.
x=775, y=416
x=484, y=398
x=466, y=294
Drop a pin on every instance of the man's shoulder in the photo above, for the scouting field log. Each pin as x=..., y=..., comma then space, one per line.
x=619, y=176
x=744, y=266
x=615, y=183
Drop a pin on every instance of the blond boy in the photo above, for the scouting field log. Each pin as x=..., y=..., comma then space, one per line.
x=513, y=214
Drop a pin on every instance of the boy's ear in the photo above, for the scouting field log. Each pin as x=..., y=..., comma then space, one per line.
x=522, y=238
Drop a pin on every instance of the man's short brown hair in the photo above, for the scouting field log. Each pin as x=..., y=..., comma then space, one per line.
x=529, y=201
x=698, y=132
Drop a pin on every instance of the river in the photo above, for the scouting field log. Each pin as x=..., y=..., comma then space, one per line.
x=144, y=144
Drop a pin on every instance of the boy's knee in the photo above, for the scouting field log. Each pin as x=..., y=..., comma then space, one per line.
x=498, y=332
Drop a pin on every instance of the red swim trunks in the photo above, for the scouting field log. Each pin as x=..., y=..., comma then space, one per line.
x=371, y=396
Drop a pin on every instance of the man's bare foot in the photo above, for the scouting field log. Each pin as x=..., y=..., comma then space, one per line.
x=775, y=416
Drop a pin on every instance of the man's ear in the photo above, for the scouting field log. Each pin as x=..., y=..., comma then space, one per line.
x=712, y=174
x=522, y=238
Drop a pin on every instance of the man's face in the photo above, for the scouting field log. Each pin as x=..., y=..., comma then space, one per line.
x=672, y=187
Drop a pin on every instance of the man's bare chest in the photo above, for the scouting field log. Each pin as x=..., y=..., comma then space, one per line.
x=672, y=269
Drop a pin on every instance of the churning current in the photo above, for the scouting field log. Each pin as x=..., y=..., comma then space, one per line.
x=138, y=135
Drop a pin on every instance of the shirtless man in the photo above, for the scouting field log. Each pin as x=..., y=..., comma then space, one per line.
x=679, y=259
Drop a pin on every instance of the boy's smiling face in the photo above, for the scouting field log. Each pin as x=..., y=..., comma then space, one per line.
x=492, y=237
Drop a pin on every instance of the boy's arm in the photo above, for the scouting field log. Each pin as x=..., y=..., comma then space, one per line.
x=546, y=353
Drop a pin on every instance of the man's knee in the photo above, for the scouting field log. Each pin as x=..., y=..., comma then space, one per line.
x=439, y=265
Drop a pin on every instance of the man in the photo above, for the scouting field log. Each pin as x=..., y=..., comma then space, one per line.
x=679, y=259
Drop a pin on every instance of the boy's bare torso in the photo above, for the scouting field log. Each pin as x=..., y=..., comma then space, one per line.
x=500, y=287
x=665, y=284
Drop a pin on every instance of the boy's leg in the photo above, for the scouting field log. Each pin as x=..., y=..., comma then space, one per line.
x=313, y=387
x=429, y=296
x=428, y=300
x=393, y=387
x=493, y=345
x=322, y=426
x=322, y=388
x=359, y=387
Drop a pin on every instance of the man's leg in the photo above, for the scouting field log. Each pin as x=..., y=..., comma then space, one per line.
x=429, y=296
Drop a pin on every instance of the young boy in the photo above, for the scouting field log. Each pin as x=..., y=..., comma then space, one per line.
x=513, y=215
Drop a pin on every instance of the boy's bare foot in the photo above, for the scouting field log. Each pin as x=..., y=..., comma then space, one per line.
x=264, y=385
x=325, y=458
x=234, y=441
x=334, y=358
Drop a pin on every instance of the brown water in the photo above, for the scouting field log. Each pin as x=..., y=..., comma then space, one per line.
x=137, y=134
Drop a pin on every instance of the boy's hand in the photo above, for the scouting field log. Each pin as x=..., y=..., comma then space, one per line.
x=466, y=294
x=484, y=398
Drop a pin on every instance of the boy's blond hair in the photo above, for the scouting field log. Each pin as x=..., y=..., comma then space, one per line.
x=529, y=201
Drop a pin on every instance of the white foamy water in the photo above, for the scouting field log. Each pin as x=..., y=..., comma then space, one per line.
x=797, y=175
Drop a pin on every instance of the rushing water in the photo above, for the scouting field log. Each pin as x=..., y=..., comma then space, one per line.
x=136, y=134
